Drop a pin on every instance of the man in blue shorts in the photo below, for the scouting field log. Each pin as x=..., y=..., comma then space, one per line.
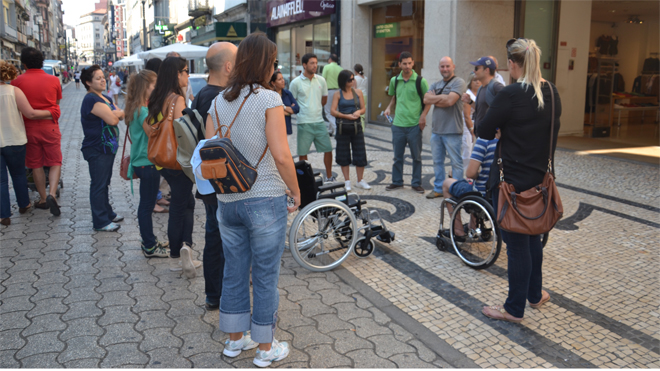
x=481, y=159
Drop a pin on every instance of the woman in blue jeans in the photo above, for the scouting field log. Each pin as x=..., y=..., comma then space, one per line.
x=171, y=83
x=13, y=103
x=523, y=113
x=253, y=223
x=99, y=118
x=140, y=87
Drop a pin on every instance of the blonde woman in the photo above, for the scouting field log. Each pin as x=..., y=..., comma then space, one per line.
x=522, y=111
x=140, y=86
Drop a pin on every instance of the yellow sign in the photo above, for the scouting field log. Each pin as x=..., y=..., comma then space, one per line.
x=231, y=32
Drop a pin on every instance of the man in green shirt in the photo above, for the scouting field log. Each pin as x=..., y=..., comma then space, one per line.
x=407, y=90
x=330, y=74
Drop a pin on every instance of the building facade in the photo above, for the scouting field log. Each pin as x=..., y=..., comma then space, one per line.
x=90, y=36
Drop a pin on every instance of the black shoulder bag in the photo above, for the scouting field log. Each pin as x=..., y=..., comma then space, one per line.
x=350, y=127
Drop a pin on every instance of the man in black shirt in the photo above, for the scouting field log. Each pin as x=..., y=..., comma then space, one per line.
x=484, y=71
x=220, y=60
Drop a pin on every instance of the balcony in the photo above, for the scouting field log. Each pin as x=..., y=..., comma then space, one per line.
x=198, y=8
x=9, y=31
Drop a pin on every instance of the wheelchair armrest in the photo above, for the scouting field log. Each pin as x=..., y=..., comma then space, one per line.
x=330, y=186
x=317, y=173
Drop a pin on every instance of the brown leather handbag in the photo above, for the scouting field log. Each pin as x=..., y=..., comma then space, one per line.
x=536, y=210
x=161, y=150
x=125, y=160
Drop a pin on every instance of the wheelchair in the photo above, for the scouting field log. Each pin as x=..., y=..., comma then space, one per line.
x=331, y=224
x=481, y=244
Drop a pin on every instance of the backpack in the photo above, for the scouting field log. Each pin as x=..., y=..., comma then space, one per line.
x=418, y=86
x=227, y=169
x=189, y=130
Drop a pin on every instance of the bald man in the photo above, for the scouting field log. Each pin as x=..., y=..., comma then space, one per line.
x=220, y=59
x=447, y=129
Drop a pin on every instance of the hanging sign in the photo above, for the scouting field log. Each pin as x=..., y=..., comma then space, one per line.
x=281, y=12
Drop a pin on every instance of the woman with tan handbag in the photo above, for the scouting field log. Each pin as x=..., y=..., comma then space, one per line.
x=524, y=113
x=166, y=104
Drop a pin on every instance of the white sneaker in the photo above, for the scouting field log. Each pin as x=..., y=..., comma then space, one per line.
x=187, y=262
x=347, y=185
x=234, y=348
x=177, y=266
x=363, y=184
x=278, y=351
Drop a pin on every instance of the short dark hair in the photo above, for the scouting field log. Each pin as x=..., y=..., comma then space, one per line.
x=334, y=57
x=32, y=58
x=308, y=56
x=343, y=77
x=491, y=71
x=153, y=64
x=405, y=55
x=87, y=75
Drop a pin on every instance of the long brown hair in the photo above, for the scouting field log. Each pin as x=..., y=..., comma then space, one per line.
x=254, y=59
x=166, y=84
x=138, y=84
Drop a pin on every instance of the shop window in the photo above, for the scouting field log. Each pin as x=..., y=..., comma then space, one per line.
x=293, y=43
x=283, y=40
x=397, y=28
x=538, y=20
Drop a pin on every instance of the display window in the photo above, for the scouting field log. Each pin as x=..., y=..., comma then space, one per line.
x=294, y=42
x=397, y=28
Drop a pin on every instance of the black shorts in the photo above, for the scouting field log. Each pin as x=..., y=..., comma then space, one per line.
x=77, y=80
x=351, y=143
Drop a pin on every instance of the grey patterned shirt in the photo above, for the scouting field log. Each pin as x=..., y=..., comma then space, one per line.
x=249, y=137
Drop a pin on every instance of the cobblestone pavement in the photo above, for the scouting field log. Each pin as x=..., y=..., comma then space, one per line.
x=77, y=298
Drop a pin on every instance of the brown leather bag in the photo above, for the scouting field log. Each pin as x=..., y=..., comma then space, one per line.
x=125, y=160
x=161, y=150
x=536, y=210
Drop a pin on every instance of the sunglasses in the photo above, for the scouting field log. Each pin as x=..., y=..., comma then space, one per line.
x=186, y=71
x=476, y=68
x=350, y=80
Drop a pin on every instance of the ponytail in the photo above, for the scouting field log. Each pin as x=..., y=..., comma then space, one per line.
x=526, y=54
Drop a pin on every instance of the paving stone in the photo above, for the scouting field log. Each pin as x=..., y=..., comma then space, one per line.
x=209, y=360
x=116, y=298
x=367, y=327
x=289, y=319
x=20, y=277
x=298, y=293
x=387, y=346
x=50, y=278
x=24, y=265
x=18, y=289
x=141, y=277
x=290, y=280
x=81, y=280
x=347, y=340
x=190, y=324
x=117, y=314
x=81, y=347
x=144, y=289
x=332, y=297
x=49, y=292
x=314, y=307
x=409, y=361
x=82, y=309
x=323, y=356
x=346, y=289
x=54, y=255
x=198, y=343
x=424, y=353
x=13, y=320
x=401, y=334
x=113, y=284
x=52, y=266
x=295, y=357
x=348, y=311
x=42, y=360
x=81, y=294
x=11, y=339
x=40, y=343
x=380, y=317
x=186, y=307
x=366, y=358
x=124, y=354
x=159, y=338
x=120, y=333
x=7, y=359
x=149, y=303
x=83, y=363
x=330, y=322
x=16, y=303
x=167, y=358
x=308, y=335
x=44, y=323
x=153, y=319
x=81, y=327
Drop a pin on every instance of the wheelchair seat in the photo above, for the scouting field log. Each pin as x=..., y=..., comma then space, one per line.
x=473, y=193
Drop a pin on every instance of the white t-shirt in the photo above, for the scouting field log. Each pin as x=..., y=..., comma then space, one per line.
x=12, y=127
x=361, y=83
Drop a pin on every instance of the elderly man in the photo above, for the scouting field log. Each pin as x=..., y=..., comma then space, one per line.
x=447, y=132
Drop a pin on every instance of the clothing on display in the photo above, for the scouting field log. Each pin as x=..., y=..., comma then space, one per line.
x=608, y=44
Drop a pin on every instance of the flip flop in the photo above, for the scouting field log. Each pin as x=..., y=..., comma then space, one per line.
x=498, y=312
x=545, y=297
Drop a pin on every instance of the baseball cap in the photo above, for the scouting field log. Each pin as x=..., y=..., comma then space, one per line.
x=484, y=61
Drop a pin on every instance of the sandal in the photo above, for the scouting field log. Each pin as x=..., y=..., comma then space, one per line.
x=498, y=312
x=23, y=210
x=41, y=205
x=545, y=297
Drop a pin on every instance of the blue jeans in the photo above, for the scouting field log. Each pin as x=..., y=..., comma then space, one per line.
x=412, y=137
x=446, y=144
x=253, y=232
x=182, y=208
x=525, y=254
x=100, y=170
x=214, y=257
x=149, y=182
x=13, y=159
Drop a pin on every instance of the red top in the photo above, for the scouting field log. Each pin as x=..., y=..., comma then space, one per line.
x=42, y=91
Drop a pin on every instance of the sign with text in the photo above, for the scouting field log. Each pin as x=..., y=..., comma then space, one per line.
x=386, y=30
x=281, y=12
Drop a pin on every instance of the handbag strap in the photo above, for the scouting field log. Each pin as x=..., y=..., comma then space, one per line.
x=552, y=133
x=219, y=130
x=356, y=99
x=123, y=151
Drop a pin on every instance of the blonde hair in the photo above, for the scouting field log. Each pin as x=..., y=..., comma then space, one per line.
x=138, y=84
x=8, y=71
x=526, y=54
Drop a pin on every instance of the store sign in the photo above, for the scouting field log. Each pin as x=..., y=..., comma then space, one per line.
x=386, y=30
x=281, y=12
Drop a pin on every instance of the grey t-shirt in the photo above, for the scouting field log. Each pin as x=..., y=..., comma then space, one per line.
x=449, y=120
x=485, y=97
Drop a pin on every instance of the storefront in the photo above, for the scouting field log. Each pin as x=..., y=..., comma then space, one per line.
x=300, y=27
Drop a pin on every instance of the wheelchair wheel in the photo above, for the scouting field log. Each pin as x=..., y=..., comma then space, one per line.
x=322, y=235
x=364, y=248
x=481, y=244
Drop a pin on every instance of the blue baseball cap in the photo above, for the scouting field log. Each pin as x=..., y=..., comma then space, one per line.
x=485, y=61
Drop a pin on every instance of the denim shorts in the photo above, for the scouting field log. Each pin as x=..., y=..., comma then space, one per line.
x=461, y=187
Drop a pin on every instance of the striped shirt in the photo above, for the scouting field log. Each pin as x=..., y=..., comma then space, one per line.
x=484, y=152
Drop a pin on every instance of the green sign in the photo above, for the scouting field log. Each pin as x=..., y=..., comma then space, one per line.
x=227, y=30
x=387, y=30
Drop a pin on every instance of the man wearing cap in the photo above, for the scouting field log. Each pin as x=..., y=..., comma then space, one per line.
x=484, y=72
x=447, y=131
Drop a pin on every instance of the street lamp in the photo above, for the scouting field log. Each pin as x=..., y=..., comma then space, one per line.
x=144, y=27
